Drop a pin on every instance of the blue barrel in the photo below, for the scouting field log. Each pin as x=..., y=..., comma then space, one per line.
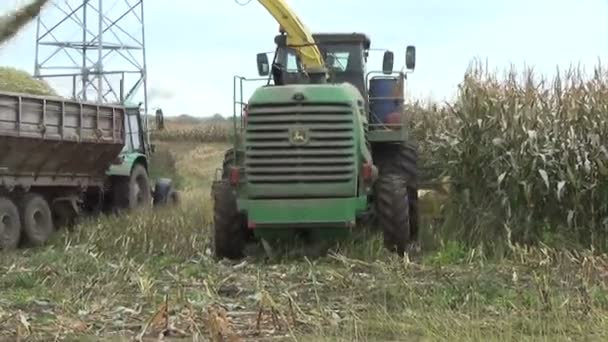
x=384, y=98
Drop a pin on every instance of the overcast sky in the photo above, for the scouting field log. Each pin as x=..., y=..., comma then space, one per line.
x=194, y=47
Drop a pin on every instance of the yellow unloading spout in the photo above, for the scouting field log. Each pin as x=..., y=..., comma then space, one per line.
x=299, y=38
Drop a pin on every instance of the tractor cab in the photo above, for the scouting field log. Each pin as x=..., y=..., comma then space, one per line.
x=346, y=58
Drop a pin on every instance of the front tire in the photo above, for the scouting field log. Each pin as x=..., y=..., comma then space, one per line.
x=402, y=159
x=229, y=235
x=393, y=212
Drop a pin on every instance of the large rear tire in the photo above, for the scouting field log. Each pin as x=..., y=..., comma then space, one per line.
x=229, y=235
x=393, y=212
x=10, y=224
x=37, y=219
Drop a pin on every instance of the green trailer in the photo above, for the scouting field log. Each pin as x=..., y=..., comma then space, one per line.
x=319, y=158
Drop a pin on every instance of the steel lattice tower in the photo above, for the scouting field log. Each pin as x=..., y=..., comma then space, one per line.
x=96, y=48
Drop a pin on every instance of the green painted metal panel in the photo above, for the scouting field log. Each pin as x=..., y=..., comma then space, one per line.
x=296, y=190
x=124, y=169
x=284, y=212
x=320, y=93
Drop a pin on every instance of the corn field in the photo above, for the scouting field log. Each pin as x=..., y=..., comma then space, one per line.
x=199, y=133
x=526, y=157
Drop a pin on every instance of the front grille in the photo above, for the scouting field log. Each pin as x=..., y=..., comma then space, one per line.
x=327, y=157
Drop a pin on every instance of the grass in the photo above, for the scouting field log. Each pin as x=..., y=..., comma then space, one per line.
x=111, y=275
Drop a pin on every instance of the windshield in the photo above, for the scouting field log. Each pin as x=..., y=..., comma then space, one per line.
x=345, y=63
x=338, y=58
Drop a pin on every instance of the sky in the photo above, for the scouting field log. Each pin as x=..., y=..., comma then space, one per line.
x=195, y=47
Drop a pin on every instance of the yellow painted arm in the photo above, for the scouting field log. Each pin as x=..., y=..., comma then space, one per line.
x=297, y=34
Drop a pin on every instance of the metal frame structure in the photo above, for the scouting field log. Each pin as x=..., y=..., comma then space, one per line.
x=103, y=30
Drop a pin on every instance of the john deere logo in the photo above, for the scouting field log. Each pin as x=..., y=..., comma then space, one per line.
x=298, y=136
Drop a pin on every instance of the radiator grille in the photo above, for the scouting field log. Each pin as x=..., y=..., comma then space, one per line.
x=273, y=156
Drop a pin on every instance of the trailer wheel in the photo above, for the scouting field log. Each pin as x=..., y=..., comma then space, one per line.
x=37, y=219
x=229, y=235
x=10, y=224
x=393, y=212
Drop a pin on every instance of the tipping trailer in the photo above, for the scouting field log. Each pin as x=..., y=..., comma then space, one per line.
x=60, y=158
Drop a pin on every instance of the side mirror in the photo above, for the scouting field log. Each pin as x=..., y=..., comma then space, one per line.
x=160, y=120
x=410, y=57
x=263, y=65
x=387, y=62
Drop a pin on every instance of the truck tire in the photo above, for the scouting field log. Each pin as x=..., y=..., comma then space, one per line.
x=133, y=192
x=393, y=211
x=402, y=159
x=37, y=219
x=229, y=234
x=10, y=224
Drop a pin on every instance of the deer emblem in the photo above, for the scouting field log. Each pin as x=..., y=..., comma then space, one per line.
x=299, y=136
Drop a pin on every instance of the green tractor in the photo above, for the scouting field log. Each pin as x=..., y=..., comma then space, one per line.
x=130, y=185
x=319, y=157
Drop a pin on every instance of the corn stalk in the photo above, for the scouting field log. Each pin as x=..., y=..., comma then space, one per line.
x=527, y=158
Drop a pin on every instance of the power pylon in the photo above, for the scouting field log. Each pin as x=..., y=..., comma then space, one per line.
x=96, y=48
